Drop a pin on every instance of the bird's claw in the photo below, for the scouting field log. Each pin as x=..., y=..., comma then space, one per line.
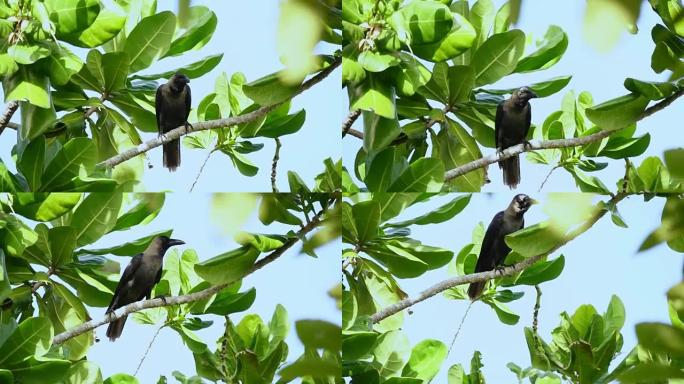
x=527, y=145
x=187, y=124
x=163, y=299
x=501, y=269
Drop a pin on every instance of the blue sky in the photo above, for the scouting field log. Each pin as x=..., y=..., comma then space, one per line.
x=295, y=280
x=246, y=34
x=602, y=74
x=601, y=262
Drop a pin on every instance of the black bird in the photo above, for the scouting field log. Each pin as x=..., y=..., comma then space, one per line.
x=138, y=279
x=172, y=107
x=494, y=249
x=513, y=117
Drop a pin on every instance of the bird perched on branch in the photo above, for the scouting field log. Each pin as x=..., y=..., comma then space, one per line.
x=140, y=276
x=172, y=107
x=494, y=249
x=513, y=117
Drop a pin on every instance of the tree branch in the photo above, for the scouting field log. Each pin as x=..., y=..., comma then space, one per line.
x=349, y=121
x=213, y=124
x=182, y=299
x=489, y=275
x=5, y=118
x=551, y=144
x=274, y=165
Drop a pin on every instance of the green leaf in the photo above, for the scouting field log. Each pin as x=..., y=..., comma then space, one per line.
x=319, y=334
x=95, y=216
x=549, y=53
x=384, y=167
x=617, y=113
x=269, y=90
x=5, y=287
x=115, y=69
x=651, y=372
x=456, y=147
x=376, y=62
x=148, y=207
x=130, y=248
x=32, y=338
x=426, y=360
x=72, y=16
x=121, y=378
x=378, y=131
x=674, y=159
x=202, y=24
x=459, y=39
x=264, y=243
x=423, y=175
x=422, y=22
x=411, y=74
x=44, y=207
x=150, y=38
x=242, y=163
x=272, y=209
x=54, y=248
x=192, y=70
x=27, y=54
x=663, y=338
x=228, y=267
x=502, y=311
x=77, y=157
x=650, y=90
x=389, y=352
x=622, y=147
x=498, y=56
x=226, y=303
x=542, y=89
x=444, y=213
x=400, y=263
x=534, y=240
x=541, y=271
x=276, y=127
x=84, y=372
x=28, y=85
x=366, y=216
x=377, y=96
x=357, y=344
x=109, y=22
x=31, y=162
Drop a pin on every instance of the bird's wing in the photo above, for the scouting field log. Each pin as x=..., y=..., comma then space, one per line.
x=158, y=100
x=127, y=275
x=486, y=260
x=188, y=102
x=498, y=129
x=528, y=119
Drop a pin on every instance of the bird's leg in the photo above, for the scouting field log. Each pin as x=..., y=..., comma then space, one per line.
x=187, y=124
x=163, y=299
x=501, y=268
x=526, y=144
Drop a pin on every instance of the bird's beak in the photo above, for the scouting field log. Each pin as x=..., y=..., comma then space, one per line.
x=173, y=242
x=533, y=95
x=533, y=201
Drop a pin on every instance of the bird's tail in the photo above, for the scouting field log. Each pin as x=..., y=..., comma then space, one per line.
x=172, y=156
x=475, y=290
x=115, y=328
x=511, y=171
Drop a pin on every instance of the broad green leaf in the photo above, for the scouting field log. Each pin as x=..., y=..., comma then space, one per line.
x=228, y=267
x=617, y=113
x=423, y=175
x=411, y=74
x=498, y=56
x=650, y=90
x=444, y=213
x=121, y=378
x=226, y=303
x=31, y=162
x=550, y=51
x=76, y=158
x=5, y=287
x=299, y=30
x=109, y=22
x=27, y=54
x=264, y=243
x=390, y=353
x=130, y=248
x=201, y=26
x=459, y=39
x=32, y=338
x=674, y=159
x=357, y=344
x=319, y=334
x=28, y=85
x=541, y=271
x=659, y=337
x=34, y=371
x=456, y=147
x=54, y=248
x=272, y=209
x=366, y=216
x=378, y=131
x=95, y=216
x=279, y=126
x=482, y=16
x=72, y=16
x=400, y=263
x=375, y=95
x=84, y=372
x=650, y=371
x=534, y=240
x=150, y=38
x=376, y=62
x=384, y=167
x=269, y=90
x=502, y=311
x=15, y=236
x=542, y=89
x=115, y=69
x=192, y=70
x=621, y=147
x=426, y=360
x=148, y=207
x=422, y=22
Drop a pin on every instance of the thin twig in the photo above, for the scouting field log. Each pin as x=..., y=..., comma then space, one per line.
x=349, y=121
x=214, y=124
x=149, y=346
x=182, y=299
x=274, y=166
x=551, y=144
x=547, y=177
x=535, y=314
x=94, y=108
x=355, y=133
x=489, y=275
x=458, y=330
x=206, y=160
x=625, y=180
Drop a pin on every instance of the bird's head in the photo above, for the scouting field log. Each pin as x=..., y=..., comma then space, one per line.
x=524, y=94
x=521, y=203
x=164, y=242
x=179, y=81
